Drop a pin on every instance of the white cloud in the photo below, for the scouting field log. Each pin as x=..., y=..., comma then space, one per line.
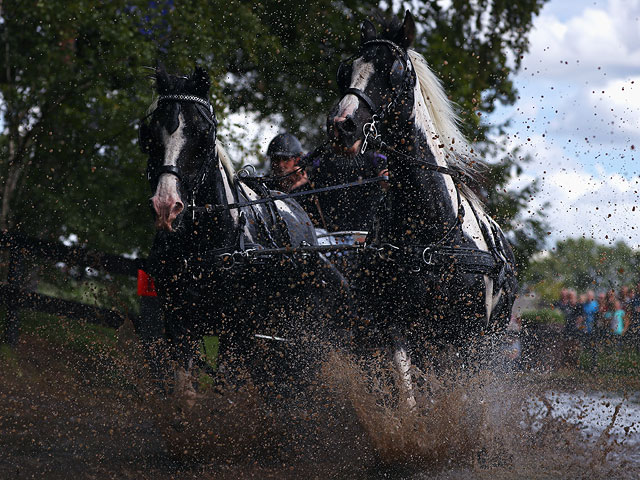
x=578, y=116
x=602, y=205
x=590, y=42
x=606, y=114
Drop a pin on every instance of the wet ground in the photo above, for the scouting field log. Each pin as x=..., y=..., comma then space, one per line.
x=73, y=413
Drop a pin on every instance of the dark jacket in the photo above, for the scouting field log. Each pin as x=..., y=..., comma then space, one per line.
x=350, y=208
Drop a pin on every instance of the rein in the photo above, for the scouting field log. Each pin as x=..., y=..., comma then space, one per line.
x=284, y=196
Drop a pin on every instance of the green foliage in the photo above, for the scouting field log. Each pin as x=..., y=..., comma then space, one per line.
x=584, y=264
x=543, y=316
x=73, y=82
x=475, y=47
x=81, y=336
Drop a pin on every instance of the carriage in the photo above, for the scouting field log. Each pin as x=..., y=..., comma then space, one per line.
x=236, y=259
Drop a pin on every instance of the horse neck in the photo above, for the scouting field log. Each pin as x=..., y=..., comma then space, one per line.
x=217, y=229
x=424, y=203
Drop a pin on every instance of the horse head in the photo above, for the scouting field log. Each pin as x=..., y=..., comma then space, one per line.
x=178, y=136
x=376, y=85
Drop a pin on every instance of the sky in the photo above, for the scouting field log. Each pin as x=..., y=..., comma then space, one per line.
x=578, y=116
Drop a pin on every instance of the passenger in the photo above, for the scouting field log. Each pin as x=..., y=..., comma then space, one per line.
x=350, y=209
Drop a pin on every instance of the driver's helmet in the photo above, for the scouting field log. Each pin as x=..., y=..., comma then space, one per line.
x=284, y=145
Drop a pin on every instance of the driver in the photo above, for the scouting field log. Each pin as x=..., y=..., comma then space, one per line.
x=285, y=152
x=348, y=209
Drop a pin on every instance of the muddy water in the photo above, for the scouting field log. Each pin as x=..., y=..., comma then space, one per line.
x=467, y=423
x=61, y=412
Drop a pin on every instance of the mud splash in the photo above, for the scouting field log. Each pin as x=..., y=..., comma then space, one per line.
x=479, y=422
x=487, y=423
x=66, y=411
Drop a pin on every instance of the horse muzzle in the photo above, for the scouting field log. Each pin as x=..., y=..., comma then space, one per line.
x=344, y=134
x=167, y=210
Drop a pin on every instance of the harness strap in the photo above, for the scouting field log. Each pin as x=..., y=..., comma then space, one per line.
x=170, y=169
x=502, y=265
x=470, y=260
x=362, y=96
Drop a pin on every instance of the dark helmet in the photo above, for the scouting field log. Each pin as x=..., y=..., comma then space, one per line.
x=284, y=145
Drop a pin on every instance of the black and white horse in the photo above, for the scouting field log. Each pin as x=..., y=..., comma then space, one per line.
x=199, y=258
x=445, y=271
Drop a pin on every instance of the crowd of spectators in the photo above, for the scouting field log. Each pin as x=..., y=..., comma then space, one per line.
x=591, y=319
x=611, y=312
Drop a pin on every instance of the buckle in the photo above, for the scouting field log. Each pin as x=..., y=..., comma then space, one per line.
x=388, y=247
x=429, y=260
x=369, y=129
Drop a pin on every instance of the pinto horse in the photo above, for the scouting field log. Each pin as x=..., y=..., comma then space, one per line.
x=199, y=258
x=444, y=271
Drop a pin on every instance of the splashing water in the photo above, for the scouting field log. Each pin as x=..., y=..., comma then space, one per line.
x=478, y=422
x=472, y=423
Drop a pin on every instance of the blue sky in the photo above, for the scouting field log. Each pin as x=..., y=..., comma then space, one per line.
x=579, y=104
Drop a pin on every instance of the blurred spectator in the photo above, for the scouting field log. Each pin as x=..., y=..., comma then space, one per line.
x=589, y=311
x=573, y=317
x=562, y=305
x=633, y=312
x=573, y=314
x=619, y=322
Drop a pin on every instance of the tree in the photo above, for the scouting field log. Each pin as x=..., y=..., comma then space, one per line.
x=583, y=264
x=73, y=82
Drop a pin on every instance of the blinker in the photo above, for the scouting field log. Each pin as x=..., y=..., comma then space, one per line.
x=396, y=73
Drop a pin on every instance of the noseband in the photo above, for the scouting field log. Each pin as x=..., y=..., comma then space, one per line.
x=155, y=171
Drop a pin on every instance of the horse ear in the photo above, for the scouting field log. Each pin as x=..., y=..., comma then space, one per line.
x=367, y=31
x=162, y=79
x=408, y=32
x=201, y=82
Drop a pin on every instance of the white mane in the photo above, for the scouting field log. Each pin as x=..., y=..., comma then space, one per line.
x=446, y=141
x=224, y=159
x=442, y=118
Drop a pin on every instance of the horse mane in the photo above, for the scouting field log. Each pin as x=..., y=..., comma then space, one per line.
x=224, y=159
x=444, y=120
x=441, y=112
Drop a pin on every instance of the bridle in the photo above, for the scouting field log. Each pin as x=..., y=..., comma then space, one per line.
x=401, y=77
x=154, y=171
